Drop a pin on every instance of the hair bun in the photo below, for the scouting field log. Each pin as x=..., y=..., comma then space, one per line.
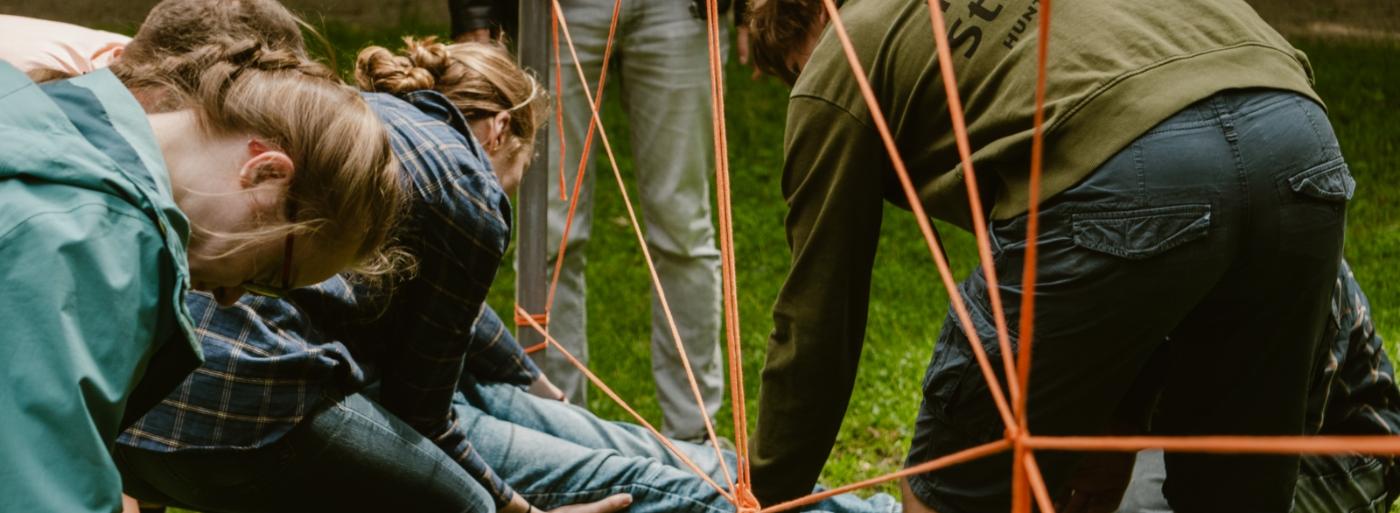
x=421, y=65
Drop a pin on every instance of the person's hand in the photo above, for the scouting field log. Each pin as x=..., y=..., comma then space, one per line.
x=617, y=502
x=610, y=504
x=742, y=47
x=481, y=35
x=542, y=387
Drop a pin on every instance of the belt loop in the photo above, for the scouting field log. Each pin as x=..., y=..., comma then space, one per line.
x=1224, y=115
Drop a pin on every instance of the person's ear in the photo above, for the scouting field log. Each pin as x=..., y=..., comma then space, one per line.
x=500, y=127
x=265, y=165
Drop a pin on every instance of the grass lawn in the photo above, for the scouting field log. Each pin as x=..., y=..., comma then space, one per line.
x=1357, y=81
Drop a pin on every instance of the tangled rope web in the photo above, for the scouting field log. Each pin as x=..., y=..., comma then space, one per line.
x=1027, y=482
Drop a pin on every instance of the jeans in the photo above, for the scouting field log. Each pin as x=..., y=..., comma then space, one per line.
x=660, y=66
x=1326, y=484
x=1221, y=229
x=350, y=455
x=557, y=454
x=353, y=456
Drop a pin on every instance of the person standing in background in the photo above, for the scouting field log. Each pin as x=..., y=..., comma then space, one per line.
x=662, y=72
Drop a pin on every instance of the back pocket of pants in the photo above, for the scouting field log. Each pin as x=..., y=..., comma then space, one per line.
x=1141, y=233
x=1330, y=181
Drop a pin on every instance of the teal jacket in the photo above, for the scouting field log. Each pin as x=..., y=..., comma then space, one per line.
x=93, y=325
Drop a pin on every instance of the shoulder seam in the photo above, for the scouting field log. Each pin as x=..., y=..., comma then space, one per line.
x=834, y=106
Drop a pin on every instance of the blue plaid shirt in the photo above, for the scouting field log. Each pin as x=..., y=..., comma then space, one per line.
x=268, y=363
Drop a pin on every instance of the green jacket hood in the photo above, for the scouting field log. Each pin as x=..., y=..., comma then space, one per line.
x=90, y=133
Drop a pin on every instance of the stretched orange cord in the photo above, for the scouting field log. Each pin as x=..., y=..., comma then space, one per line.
x=520, y=312
x=962, y=456
x=955, y=299
x=974, y=198
x=558, y=15
x=738, y=405
x=641, y=241
x=1020, y=481
x=583, y=155
x=1028, y=483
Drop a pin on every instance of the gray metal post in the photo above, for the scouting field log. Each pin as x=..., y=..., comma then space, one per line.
x=531, y=250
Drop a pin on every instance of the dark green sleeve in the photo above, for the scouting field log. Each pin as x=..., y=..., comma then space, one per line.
x=832, y=182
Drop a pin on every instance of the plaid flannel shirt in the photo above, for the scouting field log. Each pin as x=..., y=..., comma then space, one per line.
x=1354, y=391
x=269, y=362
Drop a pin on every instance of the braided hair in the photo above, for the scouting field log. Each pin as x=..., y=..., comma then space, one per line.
x=346, y=188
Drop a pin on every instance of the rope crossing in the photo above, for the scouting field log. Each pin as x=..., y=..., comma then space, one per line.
x=1027, y=482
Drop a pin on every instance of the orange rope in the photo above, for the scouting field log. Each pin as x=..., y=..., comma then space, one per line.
x=1037, y=483
x=738, y=404
x=558, y=14
x=541, y=319
x=641, y=241
x=1028, y=274
x=1030, y=481
x=962, y=456
x=974, y=198
x=955, y=299
x=1374, y=445
x=613, y=395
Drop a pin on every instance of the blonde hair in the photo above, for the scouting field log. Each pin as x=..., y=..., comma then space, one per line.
x=346, y=186
x=481, y=80
x=176, y=27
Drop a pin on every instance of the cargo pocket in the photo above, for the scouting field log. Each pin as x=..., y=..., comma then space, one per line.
x=1140, y=233
x=955, y=389
x=1312, y=209
x=1330, y=181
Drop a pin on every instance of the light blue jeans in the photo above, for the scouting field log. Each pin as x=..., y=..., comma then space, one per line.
x=555, y=454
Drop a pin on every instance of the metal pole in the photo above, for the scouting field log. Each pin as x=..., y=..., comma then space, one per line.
x=532, y=253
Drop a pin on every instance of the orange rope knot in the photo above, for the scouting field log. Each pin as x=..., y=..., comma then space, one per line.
x=541, y=319
x=744, y=499
x=538, y=319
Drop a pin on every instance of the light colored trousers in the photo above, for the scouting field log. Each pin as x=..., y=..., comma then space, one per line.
x=660, y=66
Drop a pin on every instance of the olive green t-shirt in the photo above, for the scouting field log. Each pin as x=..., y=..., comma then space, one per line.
x=1116, y=68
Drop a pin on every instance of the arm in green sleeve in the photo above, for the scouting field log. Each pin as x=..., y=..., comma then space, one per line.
x=81, y=286
x=832, y=179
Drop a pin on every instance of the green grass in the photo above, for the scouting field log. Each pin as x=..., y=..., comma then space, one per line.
x=907, y=305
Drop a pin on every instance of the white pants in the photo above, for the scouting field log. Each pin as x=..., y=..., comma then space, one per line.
x=660, y=65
